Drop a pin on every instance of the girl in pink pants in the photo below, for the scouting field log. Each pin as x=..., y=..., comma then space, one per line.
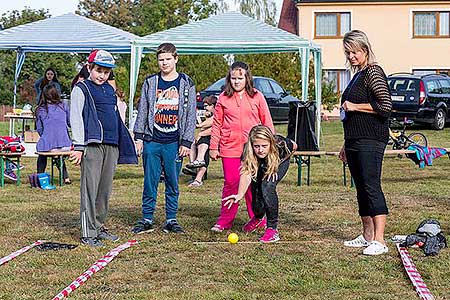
x=239, y=108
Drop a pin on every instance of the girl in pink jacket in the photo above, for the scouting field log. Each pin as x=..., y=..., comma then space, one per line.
x=239, y=108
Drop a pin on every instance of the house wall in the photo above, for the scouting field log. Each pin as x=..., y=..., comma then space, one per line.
x=389, y=27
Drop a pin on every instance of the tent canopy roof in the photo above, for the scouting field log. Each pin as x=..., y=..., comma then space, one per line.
x=231, y=32
x=66, y=33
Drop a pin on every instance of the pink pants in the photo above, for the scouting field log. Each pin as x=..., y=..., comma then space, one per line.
x=231, y=176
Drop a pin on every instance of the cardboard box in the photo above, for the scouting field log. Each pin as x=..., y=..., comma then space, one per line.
x=30, y=136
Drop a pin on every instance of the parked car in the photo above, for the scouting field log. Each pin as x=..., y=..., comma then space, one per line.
x=422, y=98
x=276, y=96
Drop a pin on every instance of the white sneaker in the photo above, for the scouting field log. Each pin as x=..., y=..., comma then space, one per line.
x=375, y=248
x=359, y=242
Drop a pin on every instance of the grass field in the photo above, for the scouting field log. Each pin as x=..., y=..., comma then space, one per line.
x=310, y=263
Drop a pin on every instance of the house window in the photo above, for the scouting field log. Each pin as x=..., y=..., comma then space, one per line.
x=432, y=24
x=431, y=71
x=338, y=78
x=331, y=25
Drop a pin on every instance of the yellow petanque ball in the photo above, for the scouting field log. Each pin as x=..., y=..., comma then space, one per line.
x=233, y=238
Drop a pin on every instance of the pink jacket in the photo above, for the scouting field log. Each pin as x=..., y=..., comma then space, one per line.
x=233, y=118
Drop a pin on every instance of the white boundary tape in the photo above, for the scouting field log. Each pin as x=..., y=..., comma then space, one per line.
x=97, y=266
x=419, y=285
x=13, y=255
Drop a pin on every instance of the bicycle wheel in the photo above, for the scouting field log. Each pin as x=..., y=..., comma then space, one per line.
x=418, y=139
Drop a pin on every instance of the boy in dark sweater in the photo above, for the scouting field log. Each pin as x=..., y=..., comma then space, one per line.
x=164, y=132
x=100, y=140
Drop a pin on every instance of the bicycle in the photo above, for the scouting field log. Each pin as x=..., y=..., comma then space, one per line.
x=399, y=139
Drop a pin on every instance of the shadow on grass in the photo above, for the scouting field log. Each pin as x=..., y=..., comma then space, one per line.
x=307, y=225
x=62, y=221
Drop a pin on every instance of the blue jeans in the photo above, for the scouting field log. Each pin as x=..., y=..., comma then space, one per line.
x=155, y=157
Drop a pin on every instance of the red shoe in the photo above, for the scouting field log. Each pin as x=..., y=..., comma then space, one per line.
x=254, y=224
x=270, y=236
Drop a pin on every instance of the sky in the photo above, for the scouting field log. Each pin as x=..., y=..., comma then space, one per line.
x=59, y=7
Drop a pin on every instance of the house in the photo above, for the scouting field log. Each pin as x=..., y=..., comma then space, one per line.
x=406, y=36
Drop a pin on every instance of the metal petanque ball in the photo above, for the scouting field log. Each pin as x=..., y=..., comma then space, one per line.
x=233, y=238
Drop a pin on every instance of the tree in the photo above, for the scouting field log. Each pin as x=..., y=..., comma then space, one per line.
x=264, y=10
x=27, y=15
x=156, y=15
x=117, y=13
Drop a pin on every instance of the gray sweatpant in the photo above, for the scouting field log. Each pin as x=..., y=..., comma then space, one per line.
x=98, y=166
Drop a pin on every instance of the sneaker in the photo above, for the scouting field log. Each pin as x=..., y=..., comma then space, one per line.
x=105, y=235
x=195, y=183
x=218, y=228
x=92, y=242
x=270, y=236
x=359, y=242
x=173, y=227
x=142, y=226
x=196, y=164
x=10, y=175
x=254, y=224
x=14, y=167
x=375, y=248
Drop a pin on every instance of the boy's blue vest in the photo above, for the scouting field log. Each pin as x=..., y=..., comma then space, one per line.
x=93, y=131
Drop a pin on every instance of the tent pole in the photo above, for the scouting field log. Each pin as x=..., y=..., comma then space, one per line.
x=304, y=52
x=20, y=59
x=135, y=62
x=318, y=87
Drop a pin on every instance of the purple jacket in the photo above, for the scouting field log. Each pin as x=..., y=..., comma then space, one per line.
x=53, y=126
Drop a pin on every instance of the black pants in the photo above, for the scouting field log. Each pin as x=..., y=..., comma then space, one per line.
x=265, y=198
x=42, y=165
x=365, y=158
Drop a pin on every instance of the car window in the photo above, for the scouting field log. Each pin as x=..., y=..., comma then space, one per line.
x=263, y=85
x=403, y=85
x=433, y=87
x=445, y=85
x=277, y=89
x=216, y=86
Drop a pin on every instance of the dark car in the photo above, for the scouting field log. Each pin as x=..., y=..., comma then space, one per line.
x=422, y=98
x=277, y=98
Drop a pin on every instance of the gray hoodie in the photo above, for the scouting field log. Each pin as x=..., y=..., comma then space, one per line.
x=143, y=127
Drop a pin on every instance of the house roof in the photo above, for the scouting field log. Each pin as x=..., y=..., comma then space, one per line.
x=66, y=33
x=231, y=32
x=288, y=17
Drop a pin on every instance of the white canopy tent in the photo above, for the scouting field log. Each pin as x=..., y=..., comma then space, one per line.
x=231, y=33
x=65, y=33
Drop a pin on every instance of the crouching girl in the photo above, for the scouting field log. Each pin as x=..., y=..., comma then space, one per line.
x=265, y=162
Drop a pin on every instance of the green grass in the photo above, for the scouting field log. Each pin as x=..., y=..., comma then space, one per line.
x=311, y=264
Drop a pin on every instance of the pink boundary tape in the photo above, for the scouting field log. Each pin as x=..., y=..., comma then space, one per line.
x=13, y=255
x=419, y=285
x=97, y=266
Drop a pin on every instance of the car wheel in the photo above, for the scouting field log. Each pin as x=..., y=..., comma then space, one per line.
x=439, y=119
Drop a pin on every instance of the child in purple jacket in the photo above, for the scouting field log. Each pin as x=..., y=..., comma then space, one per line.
x=52, y=123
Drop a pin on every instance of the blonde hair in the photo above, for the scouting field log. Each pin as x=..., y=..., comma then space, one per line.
x=358, y=40
x=250, y=160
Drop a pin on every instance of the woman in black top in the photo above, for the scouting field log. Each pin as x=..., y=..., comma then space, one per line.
x=365, y=108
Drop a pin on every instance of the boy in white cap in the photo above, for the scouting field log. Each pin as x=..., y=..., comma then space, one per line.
x=100, y=140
